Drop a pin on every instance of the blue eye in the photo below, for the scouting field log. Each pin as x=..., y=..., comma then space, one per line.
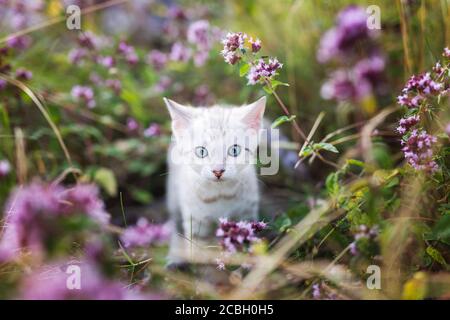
x=234, y=150
x=201, y=152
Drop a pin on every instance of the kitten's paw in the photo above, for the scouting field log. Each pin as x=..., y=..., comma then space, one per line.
x=178, y=266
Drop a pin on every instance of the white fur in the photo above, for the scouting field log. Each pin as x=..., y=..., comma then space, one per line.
x=196, y=199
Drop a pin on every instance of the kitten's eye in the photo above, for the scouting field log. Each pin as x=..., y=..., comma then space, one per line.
x=234, y=150
x=201, y=152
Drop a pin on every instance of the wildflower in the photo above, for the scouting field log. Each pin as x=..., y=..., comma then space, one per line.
x=128, y=52
x=370, y=69
x=231, y=44
x=316, y=291
x=87, y=40
x=5, y=168
x=18, y=42
x=350, y=29
x=50, y=282
x=418, y=151
x=446, y=52
x=77, y=55
x=163, y=84
x=198, y=34
x=85, y=94
x=447, y=129
x=180, y=53
x=132, y=124
x=114, y=84
x=202, y=95
x=343, y=86
x=263, y=70
x=256, y=44
x=106, y=61
x=3, y=84
x=406, y=123
x=23, y=74
x=235, y=236
x=144, y=234
x=33, y=210
x=176, y=12
x=157, y=59
x=153, y=130
x=363, y=232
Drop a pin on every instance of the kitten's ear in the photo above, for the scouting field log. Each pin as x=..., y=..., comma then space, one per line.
x=253, y=113
x=181, y=116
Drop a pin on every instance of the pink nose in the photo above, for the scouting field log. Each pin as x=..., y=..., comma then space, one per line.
x=218, y=173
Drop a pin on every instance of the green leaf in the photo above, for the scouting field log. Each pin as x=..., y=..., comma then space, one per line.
x=332, y=184
x=267, y=90
x=355, y=163
x=436, y=255
x=281, y=120
x=141, y=196
x=276, y=83
x=307, y=151
x=243, y=70
x=325, y=146
x=106, y=179
x=441, y=230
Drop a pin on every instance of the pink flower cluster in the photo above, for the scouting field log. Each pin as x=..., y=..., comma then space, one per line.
x=145, y=233
x=52, y=282
x=236, y=236
x=360, y=76
x=32, y=210
x=263, y=70
x=234, y=46
x=417, y=143
x=84, y=94
x=418, y=150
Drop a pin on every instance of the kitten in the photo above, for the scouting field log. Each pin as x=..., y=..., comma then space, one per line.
x=211, y=170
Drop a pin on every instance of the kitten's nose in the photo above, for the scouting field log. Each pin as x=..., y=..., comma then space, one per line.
x=218, y=173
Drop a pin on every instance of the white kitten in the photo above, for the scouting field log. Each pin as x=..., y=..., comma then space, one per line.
x=211, y=170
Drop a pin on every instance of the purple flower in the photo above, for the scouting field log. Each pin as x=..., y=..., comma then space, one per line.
x=18, y=42
x=128, y=52
x=256, y=44
x=370, y=69
x=233, y=43
x=180, y=52
x=343, y=86
x=77, y=55
x=5, y=168
x=407, y=123
x=85, y=94
x=263, y=70
x=106, y=61
x=198, y=34
x=220, y=264
x=176, y=12
x=87, y=40
x=157, y=59
x=163, y=84
x=52, y=282
x=153, y=130
x=447, y=129
x=3, y=84
x=446, y=52
x=418, y=151
x=144, y=234
x=115, y=85
x=33, y=210
x=23, y=74
x=363, y=232
x=132, y=124
x=316, y=291
x=236, y=236
x=202, y=95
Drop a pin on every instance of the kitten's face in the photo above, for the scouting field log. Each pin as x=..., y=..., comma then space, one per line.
x=217, y=143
